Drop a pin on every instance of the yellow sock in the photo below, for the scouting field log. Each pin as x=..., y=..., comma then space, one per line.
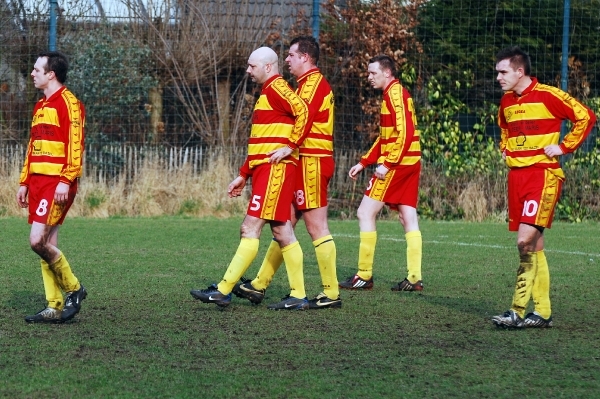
x=269, y=267
x=241, y=261
x=294, y=264
x=366, y=254
x=541, y=287
x=525, y=277
x=64, y=275
x=326, y=258
x=414, y=253
x=51, y=287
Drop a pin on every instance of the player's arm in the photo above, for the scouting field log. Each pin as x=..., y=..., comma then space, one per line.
x=564, y=106
x=399, y=110
x=236, y=187
x=74, y=120
x=503, y=132
x=22, y=196
x=303, y=117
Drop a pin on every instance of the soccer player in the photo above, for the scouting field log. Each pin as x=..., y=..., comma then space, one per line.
x=397, y=153
x=312, y=178
x=48, y=183
x=530, y=118
x=280, y=117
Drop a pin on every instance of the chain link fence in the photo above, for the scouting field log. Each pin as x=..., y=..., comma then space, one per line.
x=168, y=78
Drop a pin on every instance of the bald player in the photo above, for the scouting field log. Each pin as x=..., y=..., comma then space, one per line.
x=280, y=122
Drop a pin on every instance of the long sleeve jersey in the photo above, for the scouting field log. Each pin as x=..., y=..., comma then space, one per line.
x=532, y=121
x=57, y=138
x=398, y=142
x=316, y=91
x=280, y=118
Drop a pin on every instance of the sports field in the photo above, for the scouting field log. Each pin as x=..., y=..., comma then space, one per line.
x=141, y=334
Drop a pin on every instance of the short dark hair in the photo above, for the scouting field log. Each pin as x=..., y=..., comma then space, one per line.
x=385, y=62
x=57, y=63
x=307, y=45
x=517, y=58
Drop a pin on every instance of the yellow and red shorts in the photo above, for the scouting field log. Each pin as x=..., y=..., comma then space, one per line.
x=532, y=197
x=312, y=178
x=272, y=191
x=400, y=186
x=42, y=208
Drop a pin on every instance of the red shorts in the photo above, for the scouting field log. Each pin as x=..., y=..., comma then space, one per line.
x=42, y=208
x=532, y=197
x=272, y=191
x=312, y=178
x=400, y=186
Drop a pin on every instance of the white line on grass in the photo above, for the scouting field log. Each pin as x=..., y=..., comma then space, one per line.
x=470, y=244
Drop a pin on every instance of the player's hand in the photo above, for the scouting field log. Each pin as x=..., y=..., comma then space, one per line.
x=504, y=155
x=279, y=154
x=236, y=186
x=356, y=169
x=381, y=171
x=22, y=196
x=61, y=195
x=553, y=150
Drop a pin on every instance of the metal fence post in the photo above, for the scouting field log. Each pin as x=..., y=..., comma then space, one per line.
x=52, y=25
x=316, y=19
x=564, y=78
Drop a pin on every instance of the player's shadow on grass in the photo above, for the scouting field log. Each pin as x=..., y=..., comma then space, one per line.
x=26, y=301
x=477, y=307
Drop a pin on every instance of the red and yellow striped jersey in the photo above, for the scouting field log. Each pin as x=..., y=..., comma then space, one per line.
x=532, y=121
x=280, y=118
x=57, y=138
x=398, y=141
x=316, y=91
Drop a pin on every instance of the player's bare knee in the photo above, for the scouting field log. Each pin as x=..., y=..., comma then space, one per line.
x=524, y=246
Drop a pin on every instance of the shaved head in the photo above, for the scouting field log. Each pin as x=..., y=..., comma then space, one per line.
x=264, y=55
x=263, y=64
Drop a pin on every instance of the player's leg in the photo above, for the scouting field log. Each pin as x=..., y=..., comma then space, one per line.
x=367, y=214
x=294, y=264
x=414, y=250
x=245, y=253
x=325, y=250
x=254, y=290
x=533, y=194
x=540, y=293
x=542, y=315
x=527, y=241
x=46, y=216
x=272, y=261
x=40, y=233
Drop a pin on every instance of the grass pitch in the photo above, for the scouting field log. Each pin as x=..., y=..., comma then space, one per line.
x=140, y=334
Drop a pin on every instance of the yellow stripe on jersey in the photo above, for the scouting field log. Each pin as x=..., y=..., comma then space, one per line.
x=310, y=88
x=48, y=116
x=532, y=142
x=263, y=104
x=527, y=111
x=75, y=156
x=45, y=168
x=48, y=148
x=299, y=107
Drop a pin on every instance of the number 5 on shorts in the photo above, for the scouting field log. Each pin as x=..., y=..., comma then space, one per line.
x=255, y=204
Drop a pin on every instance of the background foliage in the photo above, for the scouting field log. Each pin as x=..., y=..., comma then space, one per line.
x=172, y=75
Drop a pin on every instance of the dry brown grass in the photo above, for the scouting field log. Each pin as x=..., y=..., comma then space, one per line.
x=157, y=187
x=153, y=191
x=473, y=202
